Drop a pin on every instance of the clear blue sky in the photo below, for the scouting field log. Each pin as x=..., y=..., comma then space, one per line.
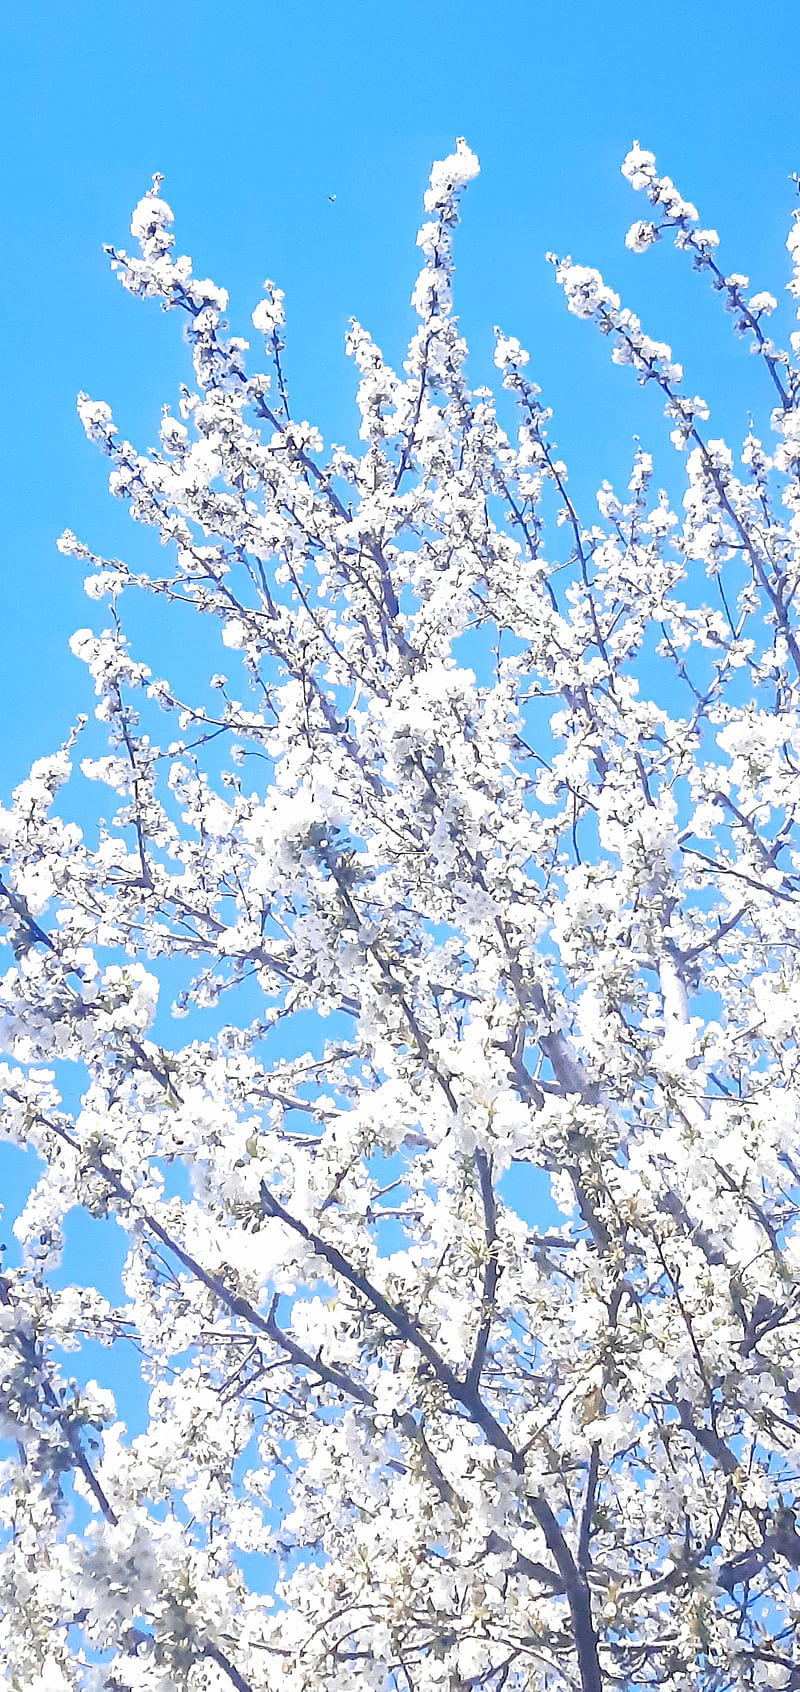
x=256, y=112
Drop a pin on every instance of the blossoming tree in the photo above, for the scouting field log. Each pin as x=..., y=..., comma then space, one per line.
x=519, y=817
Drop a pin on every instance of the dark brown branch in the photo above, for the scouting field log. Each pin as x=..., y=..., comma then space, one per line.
x=483, y=1164
x=222, y=1661
x=587, y=1513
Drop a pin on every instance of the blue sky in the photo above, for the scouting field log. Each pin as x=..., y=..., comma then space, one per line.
x=256, y=113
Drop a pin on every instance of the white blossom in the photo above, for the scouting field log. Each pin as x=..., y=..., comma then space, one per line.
x=459, y=1216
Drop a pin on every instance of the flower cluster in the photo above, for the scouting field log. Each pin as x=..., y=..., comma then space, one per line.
x=462, y=1229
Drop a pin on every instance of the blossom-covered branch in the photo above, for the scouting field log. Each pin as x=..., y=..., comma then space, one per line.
x=471, y=873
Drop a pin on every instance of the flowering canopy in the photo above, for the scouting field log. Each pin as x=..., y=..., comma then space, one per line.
x=523, y=826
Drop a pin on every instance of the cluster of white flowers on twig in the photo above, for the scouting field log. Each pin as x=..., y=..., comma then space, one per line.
x=521, y=815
